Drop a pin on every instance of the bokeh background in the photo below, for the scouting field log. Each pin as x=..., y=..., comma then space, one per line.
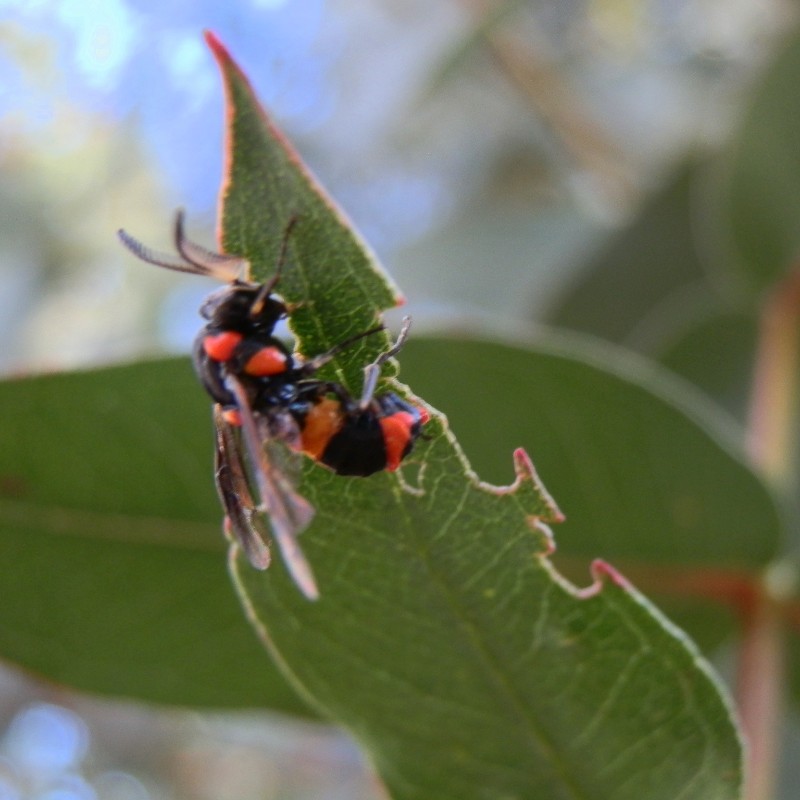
x=489, y=152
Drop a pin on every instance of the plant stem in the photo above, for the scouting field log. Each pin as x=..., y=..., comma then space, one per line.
x=759, y=683
x=773, y=406
x=771, y=442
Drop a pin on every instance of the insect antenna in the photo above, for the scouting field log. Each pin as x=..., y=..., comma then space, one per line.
x=194, y=259
x=267, y=289
x=223, y=267
x=158, y=259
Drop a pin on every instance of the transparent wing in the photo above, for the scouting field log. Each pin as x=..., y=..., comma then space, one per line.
x=288, y=513
x=234, y=493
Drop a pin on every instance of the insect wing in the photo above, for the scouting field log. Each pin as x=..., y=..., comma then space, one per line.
x=288, y=512
x=241, y=519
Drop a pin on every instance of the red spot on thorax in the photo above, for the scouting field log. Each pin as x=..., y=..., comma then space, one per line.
x=265, y=362
x=220, y=346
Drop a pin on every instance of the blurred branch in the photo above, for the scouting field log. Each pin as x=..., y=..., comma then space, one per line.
x=775, y=401
x=541, y=84
x=759, y=693
x=772, y=443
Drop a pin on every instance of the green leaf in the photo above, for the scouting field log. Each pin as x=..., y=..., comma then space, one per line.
x=645, y=469
x=650, y=475
x=266, y=185
x=443, y=639
x=510, y=687
x=759, y=187
x=638, y=271
x=112, y=567
x=717, y=354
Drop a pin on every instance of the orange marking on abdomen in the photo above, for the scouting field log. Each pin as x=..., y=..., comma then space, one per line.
x=396, y=437
x=322, y=422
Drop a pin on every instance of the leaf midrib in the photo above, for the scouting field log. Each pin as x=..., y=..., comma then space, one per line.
x=489, y=662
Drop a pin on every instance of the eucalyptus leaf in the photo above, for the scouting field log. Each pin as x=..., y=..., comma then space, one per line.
x=111, y=550
x=443, y=638
x=756, y=223
x=638, y=269
x=717, y=354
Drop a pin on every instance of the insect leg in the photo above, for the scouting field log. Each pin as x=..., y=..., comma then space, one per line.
x=311, y=366
x=373, y=371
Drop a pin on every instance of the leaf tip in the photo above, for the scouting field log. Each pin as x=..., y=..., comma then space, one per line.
x=231, y=73
x=215, y=45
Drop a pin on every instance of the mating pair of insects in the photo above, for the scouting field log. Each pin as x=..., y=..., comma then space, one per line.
x=263, y=394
